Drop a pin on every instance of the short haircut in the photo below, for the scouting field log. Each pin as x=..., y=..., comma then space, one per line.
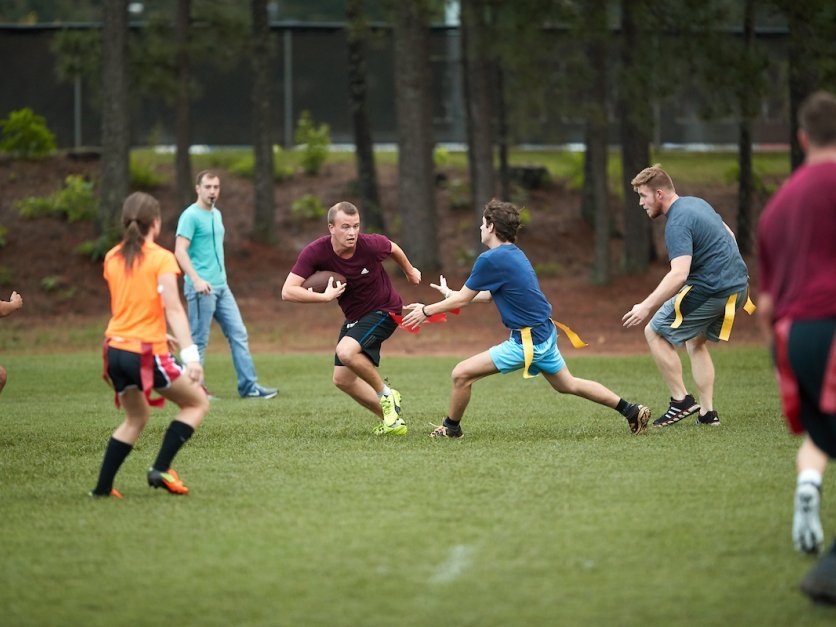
x=654, y=177
x=205, y=174
x=346, y=207
x=817, y=116
x=505, y=219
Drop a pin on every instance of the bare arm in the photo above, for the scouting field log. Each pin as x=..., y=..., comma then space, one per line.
x=181, y=252
x=14, y=303
x=766, y=307
x=457, y=299
x=670, y=284
x=412, y=273
x=292, y=290
x=178, y=322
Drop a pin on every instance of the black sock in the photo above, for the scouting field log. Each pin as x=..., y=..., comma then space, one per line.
x=623, y=407
x=175, y=437
x=115, y=453
x=453, y=425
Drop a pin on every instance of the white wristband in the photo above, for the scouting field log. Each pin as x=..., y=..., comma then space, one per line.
x=190, y=354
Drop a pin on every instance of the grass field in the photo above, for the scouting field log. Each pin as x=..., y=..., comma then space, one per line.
x=547, y=513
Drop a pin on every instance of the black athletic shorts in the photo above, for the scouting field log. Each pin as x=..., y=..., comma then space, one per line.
x=369, y=331
x=124, y=370
x=808, y=351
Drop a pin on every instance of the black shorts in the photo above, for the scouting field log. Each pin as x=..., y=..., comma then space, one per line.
x=808, y=351
x=370, y=331
x=123, y=368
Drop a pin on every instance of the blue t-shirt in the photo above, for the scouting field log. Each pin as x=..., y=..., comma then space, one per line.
x=507, y=274
x=205, y=230
x=694, y=229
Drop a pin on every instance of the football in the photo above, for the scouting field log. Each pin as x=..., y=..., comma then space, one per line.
x=318, y=281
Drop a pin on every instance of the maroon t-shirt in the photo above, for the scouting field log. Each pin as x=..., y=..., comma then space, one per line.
x=797, y=245
x=368, y=287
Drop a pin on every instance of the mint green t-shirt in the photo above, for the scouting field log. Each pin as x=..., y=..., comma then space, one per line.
x=205, y=230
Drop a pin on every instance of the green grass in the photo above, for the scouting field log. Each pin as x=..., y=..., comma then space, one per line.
x=547, y=512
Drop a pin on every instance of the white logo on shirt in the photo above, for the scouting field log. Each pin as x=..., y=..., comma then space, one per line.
x=365, y=271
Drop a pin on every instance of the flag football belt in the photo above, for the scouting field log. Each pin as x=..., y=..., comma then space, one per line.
x=146, y=371
x=439, y=317
x=528, y=344
x=728, y=318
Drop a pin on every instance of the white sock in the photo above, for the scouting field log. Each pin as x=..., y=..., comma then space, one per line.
x=385, y=392
x=809, y=475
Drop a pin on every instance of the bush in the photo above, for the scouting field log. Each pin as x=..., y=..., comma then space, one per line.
x=3, y=232
x=96, y=249
x=75, y=202
x=26, y=135
x=144, y=175
x=308, y=207
x=315, y=142
x=244, y=166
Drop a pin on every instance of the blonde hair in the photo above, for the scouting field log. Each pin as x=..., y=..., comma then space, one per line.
x=654, y=177
x=346, y=207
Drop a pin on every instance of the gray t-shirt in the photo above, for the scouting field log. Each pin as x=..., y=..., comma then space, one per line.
x=693, y=228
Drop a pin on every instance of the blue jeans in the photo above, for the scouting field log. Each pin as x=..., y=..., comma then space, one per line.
x=220, y=304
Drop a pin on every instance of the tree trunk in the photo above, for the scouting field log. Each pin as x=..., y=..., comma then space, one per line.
x=413, y=108
x=183, y=163
x=596, y=121
x=744, y=196
x=803, y=75
x=116, y=142
x=357, y=29
x=478, y=95
x=264, y=224
x=636, y=130
x=502, y=134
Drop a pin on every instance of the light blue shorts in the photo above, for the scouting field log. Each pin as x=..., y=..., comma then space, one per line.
x=509, y=356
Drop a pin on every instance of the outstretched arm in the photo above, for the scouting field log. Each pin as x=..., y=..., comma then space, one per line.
x=670, y=284
x=457, y=299
x=14, y=303
x=481, y=297
x=412, y=273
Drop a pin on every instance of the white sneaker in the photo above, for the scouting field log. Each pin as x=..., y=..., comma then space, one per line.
x=807, y=532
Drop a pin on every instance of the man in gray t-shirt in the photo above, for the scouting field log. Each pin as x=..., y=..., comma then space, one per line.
x=696, y=300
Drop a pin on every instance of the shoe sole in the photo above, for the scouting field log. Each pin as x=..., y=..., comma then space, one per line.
x=382, y=430
x=666, y=422
x=265, y=397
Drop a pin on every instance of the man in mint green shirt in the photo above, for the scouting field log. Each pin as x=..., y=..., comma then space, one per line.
x=199, y=249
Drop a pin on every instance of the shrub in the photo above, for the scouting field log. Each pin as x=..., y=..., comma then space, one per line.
x=96, y=249
x=26, y=135
x=3, y=232
x=144, y=175
x=314, y=141
x=6, y=276
x=75, y=202
x=308, y=207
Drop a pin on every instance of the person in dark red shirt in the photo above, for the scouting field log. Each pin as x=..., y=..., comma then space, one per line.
x=367, y=299
x=797, y=259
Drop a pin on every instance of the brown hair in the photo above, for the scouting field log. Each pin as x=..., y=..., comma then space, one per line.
x=654, y=177
x=346, y=207
x=505, y=219
x=817, y=116
x=205, y=174
x=138, y=214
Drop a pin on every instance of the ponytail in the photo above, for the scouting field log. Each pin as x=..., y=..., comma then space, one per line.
x=138, y=214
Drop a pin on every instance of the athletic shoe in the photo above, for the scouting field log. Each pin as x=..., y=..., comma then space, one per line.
x=442, y=431
x=262, y=393
x=168, y=480
x=709, y=418
x=807, y=532
x=678, y=410
x=113, y=493
x=391, y=406
x=637, y=418
x=396, y=428
x=820, y=582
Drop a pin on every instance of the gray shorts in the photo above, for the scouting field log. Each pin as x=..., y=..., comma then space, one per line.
x=700, y=316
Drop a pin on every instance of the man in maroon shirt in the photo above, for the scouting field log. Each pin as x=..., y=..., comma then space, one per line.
x=797, y=258
x=367, y=299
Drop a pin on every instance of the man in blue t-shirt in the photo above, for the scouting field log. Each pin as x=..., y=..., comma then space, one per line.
x=696, y=300
x=504, y=274
x=199, y=249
